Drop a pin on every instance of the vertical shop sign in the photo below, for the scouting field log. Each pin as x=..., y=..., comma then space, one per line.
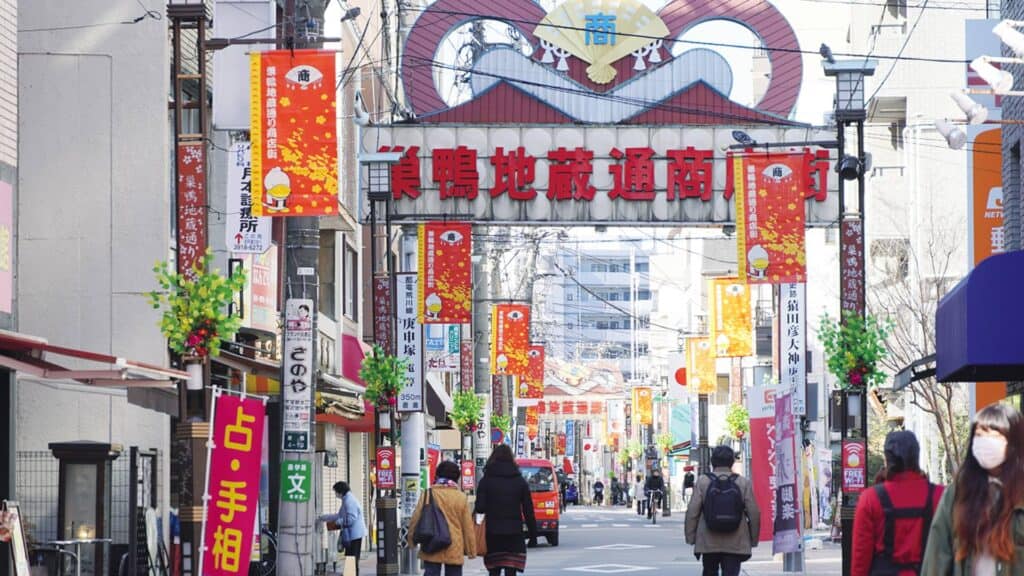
x=232, y=484
x=531, y=383
x=293, y=132
x=510, y=338
x=191, y=206
x=296, y=480
x=262, y=307
x=643, y=405
x=787, y=485
x=446, y=289
x=761, y=406
x=410, y=345
x=570, y=438
x=382, y=312
x=297, y=388
x=792, y=341
x=521, y=442
x=732, y=328
x=770, y=189
x=466, y=363
x=243, y=232
x=497, y=396
x=851, y=267
x=532, y=422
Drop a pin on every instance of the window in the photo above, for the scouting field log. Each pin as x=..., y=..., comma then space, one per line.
x=625, y=295
x=613, y=296
x=595, y=267
x=643, y=267
x=327, y=274
x=614, y=325
x=643, y=295
x=625, y=323
x=602, y=325
x=571, y=326
x=569, y=296
x=351, y=295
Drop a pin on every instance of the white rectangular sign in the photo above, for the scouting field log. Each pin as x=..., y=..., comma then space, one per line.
x=792, y=344
x=410, y=344
x=442, y=345
x=243, y=232
x=297, y=383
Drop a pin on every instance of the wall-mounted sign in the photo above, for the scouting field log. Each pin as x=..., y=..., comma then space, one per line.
x=297, y=480
x=409, y=344
x=386, y=468
x=244, y=233
x=793, y=344
x=851, y=266
x=297, y=386
x=577, y=174
x=468, y=475
x=191, y=206
x=855, y=466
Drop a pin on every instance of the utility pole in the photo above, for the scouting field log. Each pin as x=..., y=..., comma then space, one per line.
x=481, y=333
x=414, y=441
x=296, y=521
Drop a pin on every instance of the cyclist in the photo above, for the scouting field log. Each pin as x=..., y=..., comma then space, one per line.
x=654, y=490
x=598, y=492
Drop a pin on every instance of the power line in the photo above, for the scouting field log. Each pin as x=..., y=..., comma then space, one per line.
x=906, y=41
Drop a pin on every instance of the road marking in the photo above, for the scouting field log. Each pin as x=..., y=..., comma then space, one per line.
x=610, y=568
x=620, y=525
x=588, y=525
x=620, y=547
x=651, y=525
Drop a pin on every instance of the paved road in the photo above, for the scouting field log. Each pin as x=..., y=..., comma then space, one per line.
x=617, y=541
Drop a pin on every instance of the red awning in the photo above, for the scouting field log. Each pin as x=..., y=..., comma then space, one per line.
x=567, y=466
x=353, y=350
x=362, y=424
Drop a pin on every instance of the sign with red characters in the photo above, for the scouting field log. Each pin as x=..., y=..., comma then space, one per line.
x=531, y=383
x=572, y=407
x=510, y=339
x=446, y=290
x=293, y=133
x=233, y=484
x=191, y=206
x=770, y=215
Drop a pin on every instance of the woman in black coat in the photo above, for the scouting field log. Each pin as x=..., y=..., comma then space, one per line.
x=503, y=497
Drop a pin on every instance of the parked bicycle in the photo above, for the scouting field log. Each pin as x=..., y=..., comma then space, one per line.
x=267, y=564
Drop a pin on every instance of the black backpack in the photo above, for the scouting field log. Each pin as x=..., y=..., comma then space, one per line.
x=883, y=564
x=723, y=504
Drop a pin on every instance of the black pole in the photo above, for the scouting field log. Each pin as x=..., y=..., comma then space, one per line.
x=861, y=208
x=702, y=439
x=845, y=510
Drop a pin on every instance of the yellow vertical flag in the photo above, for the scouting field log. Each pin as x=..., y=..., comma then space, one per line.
x=700, y=362
x=643, y=405
x=732, y=328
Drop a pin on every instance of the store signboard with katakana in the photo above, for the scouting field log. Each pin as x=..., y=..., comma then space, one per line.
x=583, y=174
x=233, y=484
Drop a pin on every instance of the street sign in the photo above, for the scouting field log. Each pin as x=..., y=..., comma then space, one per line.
x=296, y=481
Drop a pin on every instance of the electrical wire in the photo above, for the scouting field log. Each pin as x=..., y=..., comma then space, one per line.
x=906, y=41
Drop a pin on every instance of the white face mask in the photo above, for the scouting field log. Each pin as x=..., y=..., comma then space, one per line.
x=990, y=451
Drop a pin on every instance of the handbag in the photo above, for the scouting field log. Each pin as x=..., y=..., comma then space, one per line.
x=432, y=530
x=480, y=531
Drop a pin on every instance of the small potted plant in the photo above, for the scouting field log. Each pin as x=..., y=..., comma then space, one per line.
x=195, y=317
x=384, y=375
x=467, y=409
x=854, y=348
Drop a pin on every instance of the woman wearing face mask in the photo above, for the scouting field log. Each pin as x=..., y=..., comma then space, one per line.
x=978, y=529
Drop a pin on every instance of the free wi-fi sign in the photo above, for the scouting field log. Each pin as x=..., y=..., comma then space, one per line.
x=855, y=466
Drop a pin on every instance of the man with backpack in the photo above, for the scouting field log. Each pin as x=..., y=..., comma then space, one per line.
x=893, y=518
x=722, y=519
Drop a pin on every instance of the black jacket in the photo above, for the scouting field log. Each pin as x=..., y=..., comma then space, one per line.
x=654, y=483
x=503, y=497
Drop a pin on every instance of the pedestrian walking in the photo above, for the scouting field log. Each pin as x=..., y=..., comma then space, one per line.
x=350, y=521
x=688, y=483
x=598, y=492
x=446, y=495
x=979, y=524
x=722, y=520
x=902, y=505
x=503, y=497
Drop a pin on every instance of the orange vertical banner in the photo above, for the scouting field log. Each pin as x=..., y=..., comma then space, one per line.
x=531, y=383
x=446, y=289
x=293, y=133
x=732, y=328
x=700, y=362
x=532, y=422
x=643, y=405
x=510, y=339
x=770, y=214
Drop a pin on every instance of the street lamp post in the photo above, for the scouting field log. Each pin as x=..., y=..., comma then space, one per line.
x=850, y=110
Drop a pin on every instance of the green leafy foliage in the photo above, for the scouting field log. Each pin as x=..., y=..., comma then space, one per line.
x=503, y=423
x=384, y=375
x=195, y=320
x=663, y=442
x=634, y=449
x=737, y=420
x=467, y=408
x=854, y=349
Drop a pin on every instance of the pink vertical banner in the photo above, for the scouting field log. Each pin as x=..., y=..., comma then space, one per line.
x=6, y=248
x=232, y=484
x=787, y=536
x=761, y=406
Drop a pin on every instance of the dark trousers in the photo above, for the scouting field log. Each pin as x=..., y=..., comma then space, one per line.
x=354, y=549
x=729, y=563
x=497, y=572
x=434, y=569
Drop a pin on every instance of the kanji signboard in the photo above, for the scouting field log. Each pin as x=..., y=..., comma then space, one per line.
x=382, y=312
x=643, y=405
x=729, y=318
x=792, y=344
x=770, y=188
x=531, y=383
x=446, y=290
x=297, y=387
x=510, y=338
x=579, y=174
x=700, y=361
x=409, y=344
x=243, y=232
x=466, y=371
x=233, y=484
x=293, y=131
x=296, y=480
x=851, y=266
x=191, y=206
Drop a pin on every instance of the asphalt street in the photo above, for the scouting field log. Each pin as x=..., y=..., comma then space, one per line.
x=617, y=541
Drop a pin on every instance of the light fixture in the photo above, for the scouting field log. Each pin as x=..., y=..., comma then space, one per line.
x=1001, y=81
x=955, y=137
x=849, y=167
x=976, y=113
x=742, y=137
x=1006, y=30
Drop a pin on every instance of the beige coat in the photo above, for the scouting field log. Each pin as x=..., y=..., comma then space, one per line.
x=457, y=513
x=706, y=542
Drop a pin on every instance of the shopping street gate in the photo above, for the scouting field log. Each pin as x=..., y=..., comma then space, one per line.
x=596, y=174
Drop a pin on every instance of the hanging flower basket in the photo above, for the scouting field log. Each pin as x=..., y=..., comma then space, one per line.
x=467, y=410
x=737, y=420
x=195, y=320
x=502, y=423
x=854, y=349
x=384, y=375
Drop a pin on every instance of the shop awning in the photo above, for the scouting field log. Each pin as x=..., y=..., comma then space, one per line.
x=34, y=356
x=976, y=324
x=351, y=422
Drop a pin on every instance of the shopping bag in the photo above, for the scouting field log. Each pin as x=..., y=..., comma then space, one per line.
x=480, y=531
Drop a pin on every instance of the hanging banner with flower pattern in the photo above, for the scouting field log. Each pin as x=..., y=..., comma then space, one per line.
x=770, y=215
x=531, y=383
x=510, y=339
x=293, y=133
x=700, y=365
x=446, y=289
x=732, y=329
x=532, y=422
